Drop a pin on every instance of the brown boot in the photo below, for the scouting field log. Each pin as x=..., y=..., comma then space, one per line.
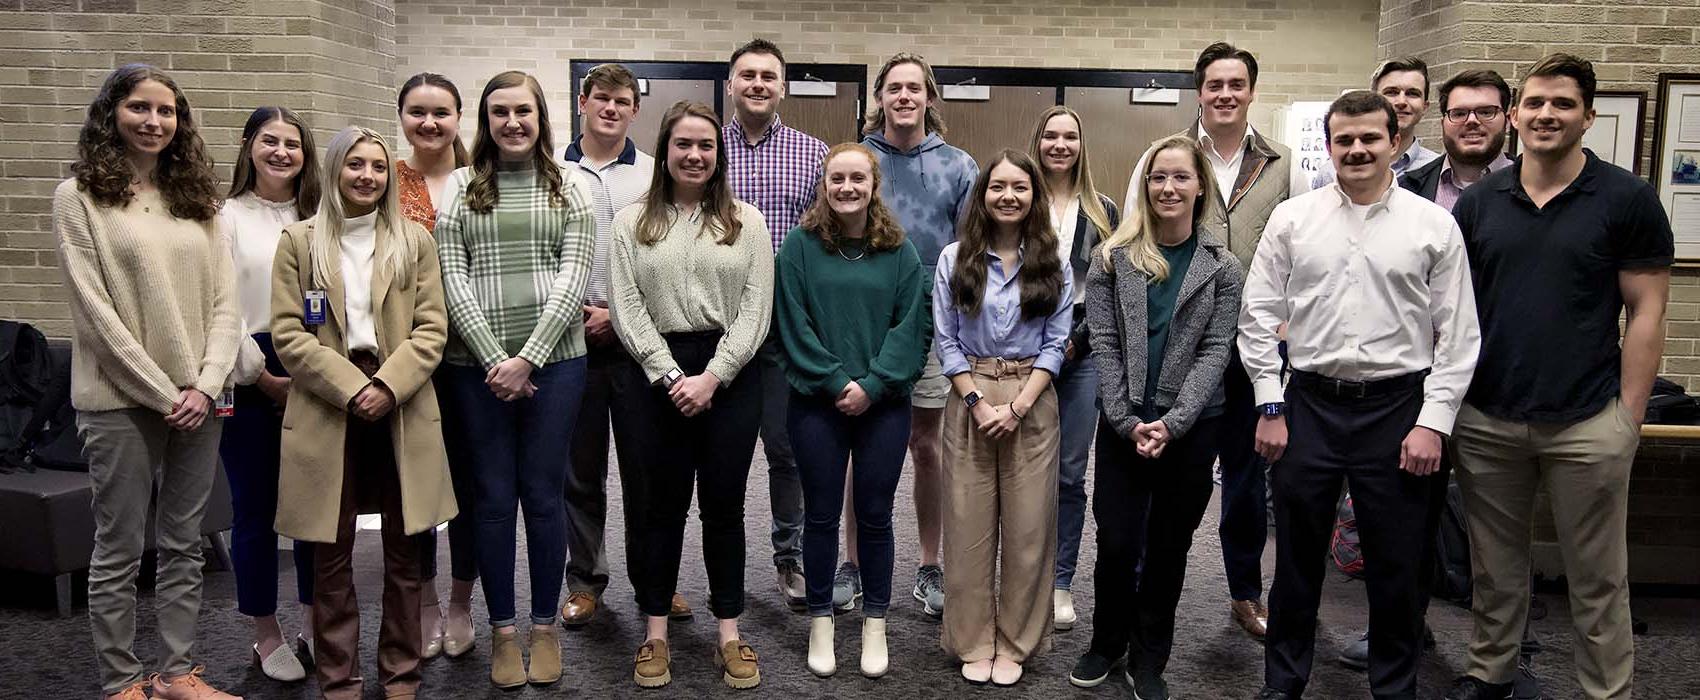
x=1251, y=617
x=545, y=655
x=737, y=663
x=507, y=663
x=654, y=666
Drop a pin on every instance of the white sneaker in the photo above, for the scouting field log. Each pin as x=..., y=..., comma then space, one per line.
x=822, y=661
x=280, y=665
x=875, y=660
x=1062, y=610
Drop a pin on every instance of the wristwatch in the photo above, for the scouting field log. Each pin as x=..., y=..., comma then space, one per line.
x=973, y=397
x=1273, y=408
x=672, y=377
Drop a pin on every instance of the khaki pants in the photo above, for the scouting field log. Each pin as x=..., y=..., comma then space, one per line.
x=999, y=492
x=1584, y=467
x=132, y=453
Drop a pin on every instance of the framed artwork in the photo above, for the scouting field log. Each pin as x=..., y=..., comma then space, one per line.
x=1676, y=159
x=1620, y=117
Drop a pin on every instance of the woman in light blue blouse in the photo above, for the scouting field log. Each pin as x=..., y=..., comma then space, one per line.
x=1002, y=313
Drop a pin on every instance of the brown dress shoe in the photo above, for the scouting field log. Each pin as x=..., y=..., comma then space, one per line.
x=737, y=663
x=1251, y=616
x=653, y=666
x=581, y=605
x=188, y=686
x=679, y=610
x=132, y=691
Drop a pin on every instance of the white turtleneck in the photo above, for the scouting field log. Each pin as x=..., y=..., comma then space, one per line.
x=359, y=242
x=251, y=227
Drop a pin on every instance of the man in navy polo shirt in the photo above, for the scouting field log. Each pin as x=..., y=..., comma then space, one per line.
x=1560, y=244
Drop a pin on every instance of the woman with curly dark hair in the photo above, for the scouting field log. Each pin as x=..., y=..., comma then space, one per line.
x=156, y=328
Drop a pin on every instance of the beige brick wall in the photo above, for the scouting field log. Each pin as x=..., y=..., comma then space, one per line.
x=332, y=61
x=1630, y=43
x=1307, y=49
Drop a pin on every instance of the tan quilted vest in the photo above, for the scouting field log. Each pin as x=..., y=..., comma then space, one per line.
x=1263, y=183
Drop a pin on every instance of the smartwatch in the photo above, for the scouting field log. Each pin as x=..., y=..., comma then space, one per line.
x=672, y=377
x=1273, y=408
x=972, y=398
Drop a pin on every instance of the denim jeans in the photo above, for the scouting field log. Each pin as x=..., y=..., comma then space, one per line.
x=872, y=445
x=1077, y=412
x=462, y=455
x=520, y=458
x=250, y=449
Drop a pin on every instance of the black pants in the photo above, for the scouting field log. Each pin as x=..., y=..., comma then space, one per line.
x=1244, y=526
x=710, y=451
x=1355, y=440
x=1146, y=510
x=587, y=481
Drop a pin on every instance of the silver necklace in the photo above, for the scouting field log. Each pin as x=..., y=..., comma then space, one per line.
x=861, y=252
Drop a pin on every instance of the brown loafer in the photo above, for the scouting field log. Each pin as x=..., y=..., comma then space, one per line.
x=653, y=666
x=581, y=605
x=737, y=663
x=679, y=609
x=1252, y=617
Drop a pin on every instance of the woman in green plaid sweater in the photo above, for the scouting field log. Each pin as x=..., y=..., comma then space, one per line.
x=516, y=237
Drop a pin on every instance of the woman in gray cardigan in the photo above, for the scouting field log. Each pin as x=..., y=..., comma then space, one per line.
x=1161, y=302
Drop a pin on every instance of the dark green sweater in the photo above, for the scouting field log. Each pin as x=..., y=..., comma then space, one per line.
x=841, y=320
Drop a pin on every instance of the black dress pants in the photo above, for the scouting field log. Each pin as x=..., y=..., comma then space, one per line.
x=1334, y=438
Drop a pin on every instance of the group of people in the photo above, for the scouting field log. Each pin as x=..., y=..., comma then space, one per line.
x=354, y=332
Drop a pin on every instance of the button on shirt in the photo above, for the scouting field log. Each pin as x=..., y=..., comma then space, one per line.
x=998, y=330
x=778, y=173
x=1367, y=292
x=1447, y=191
x=612, y=186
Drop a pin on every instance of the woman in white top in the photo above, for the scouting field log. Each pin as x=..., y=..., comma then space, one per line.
x=275, y=184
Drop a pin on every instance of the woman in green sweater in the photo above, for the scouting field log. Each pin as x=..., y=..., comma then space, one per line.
x=853, y=317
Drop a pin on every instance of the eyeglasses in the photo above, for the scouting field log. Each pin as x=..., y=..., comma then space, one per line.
x=1160, y=179
x=1483, y=114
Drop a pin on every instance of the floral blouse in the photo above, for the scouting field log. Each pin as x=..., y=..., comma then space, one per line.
x=415, y=196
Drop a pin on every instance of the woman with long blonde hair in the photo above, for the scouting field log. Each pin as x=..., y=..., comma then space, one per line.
x=1162, y=299
x=1081, y=217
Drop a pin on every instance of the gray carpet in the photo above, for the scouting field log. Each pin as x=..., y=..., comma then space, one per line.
x=44, y=657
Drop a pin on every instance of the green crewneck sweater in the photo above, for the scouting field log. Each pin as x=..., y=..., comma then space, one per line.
x=841, y=320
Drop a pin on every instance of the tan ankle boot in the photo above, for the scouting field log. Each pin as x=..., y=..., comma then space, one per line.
x=545, y=655
x=507, y=663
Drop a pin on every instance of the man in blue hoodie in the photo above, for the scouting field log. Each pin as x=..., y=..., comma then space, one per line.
x=926, y=183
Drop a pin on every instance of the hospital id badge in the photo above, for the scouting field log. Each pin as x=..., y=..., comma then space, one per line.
x=225, y=406
x=313, y=307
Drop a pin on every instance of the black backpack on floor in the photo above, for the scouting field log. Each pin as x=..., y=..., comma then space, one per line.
x=37, y=422
x=1450, y=580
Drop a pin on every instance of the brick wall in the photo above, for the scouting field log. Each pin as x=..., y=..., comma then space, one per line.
x=332, y=61
x=1306, y=49
x=1630, y=43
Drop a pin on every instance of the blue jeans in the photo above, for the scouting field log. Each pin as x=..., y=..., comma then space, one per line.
x=250, y=448
x=462, y=454
x=520, y=457
x=872, y=444
x=1077, y=412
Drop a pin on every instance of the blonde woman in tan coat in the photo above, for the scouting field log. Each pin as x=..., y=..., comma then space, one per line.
x=359, y=323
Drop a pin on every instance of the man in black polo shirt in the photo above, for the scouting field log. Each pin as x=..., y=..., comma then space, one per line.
x=1559, y=244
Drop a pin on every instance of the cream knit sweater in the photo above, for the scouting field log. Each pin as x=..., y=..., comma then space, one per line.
x=152, y=301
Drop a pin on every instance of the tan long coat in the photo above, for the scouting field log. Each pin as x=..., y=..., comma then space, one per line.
x=412, y=327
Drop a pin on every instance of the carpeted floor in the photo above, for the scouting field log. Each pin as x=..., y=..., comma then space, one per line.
x=42, y=657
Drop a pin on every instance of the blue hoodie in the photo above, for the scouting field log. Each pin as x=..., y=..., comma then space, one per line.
x=927, y=188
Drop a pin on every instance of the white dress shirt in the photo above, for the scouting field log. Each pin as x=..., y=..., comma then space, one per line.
x=1368, y=292
x=359, y=243
x=1065, y=243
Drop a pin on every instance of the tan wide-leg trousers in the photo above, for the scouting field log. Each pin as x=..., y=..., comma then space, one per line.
x=1000, y=513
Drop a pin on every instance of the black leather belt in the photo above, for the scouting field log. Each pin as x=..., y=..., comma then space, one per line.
x=1347, y=389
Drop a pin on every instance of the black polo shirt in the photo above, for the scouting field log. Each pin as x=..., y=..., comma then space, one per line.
x=1547, y=291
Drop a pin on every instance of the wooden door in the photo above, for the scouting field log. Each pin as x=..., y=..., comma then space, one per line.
x=1006, y=120
x=661, y=96
x=1118, y=131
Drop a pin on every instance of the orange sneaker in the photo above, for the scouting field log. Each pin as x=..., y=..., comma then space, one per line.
x=188, y=686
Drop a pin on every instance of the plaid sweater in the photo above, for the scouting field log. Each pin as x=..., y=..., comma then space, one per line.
x=515, y=276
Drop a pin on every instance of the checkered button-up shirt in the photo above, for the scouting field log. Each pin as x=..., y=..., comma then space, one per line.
x=777, y=173
x=514, y=277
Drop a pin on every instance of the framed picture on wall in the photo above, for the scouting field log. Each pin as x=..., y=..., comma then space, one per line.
x=1618, y=128
x=1676, y=159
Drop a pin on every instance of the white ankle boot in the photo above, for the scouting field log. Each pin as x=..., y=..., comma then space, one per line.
x=821, y=660
x=874, y=659
x=1062, y=610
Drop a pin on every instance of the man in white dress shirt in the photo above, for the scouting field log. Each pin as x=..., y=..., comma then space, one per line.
x=1373, y=287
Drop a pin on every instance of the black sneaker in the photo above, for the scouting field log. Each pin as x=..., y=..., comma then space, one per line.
x=1269, y=693
x=1090, y=671
x=1148, y=686
x=1356, y=655
x=1473, y=688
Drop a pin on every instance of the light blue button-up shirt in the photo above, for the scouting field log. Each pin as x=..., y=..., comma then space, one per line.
x=998, y=330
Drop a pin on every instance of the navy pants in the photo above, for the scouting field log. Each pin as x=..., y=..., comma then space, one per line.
x=872, y=445
x=520, y=459
x=250, y=448
x=462, y=454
